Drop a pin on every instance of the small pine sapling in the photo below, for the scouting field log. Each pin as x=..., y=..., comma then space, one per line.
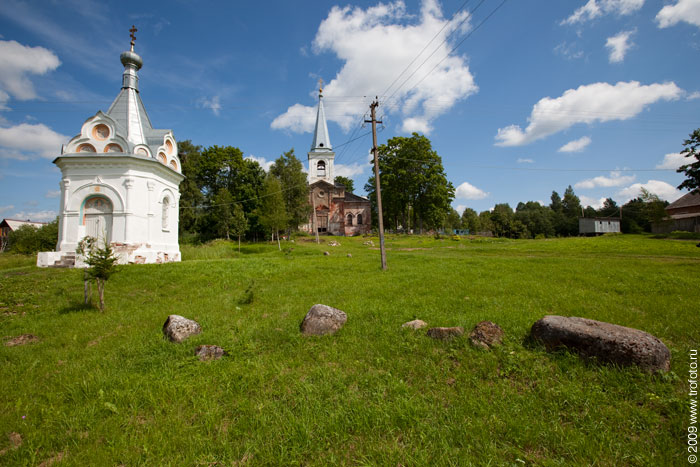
x=103, y=263
x=85, y=247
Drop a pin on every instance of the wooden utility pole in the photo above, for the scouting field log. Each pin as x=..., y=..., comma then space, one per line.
x=374, y=122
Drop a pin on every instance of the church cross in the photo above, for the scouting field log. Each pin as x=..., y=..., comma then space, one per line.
x=320, y=86
x=133, y=37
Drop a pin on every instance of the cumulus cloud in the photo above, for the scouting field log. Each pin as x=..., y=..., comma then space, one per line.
x=17, y=63
x=416, y=98
x=683, y=10
x=298, y=118
x=525, y=161
x=576, y=145
x=264, y=163
x=673, y=161
x=615, y=179
x=618, y=45
x=662, y=189
x=37, y=216
x=596, y=8
x=214, y=104
x=597, y=102
x=52, y=194
x=468, y=191
x=4, y=209
x=693, y=95
x=592, y=202
x=27, y=141
x=350, y=170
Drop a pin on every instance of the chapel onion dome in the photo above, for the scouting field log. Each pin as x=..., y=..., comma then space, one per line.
x=130, y=57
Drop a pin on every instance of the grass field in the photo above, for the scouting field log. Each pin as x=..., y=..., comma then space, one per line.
x=107, y=389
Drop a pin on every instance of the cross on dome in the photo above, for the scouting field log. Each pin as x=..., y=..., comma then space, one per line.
x=132, y=35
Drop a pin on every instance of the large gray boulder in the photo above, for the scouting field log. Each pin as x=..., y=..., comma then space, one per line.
x=322, y=319
x=178, y=328
x=604, y=341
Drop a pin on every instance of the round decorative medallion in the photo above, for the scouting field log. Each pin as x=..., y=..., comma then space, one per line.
x=100, y=132
x=113, y=148
x=85, y=147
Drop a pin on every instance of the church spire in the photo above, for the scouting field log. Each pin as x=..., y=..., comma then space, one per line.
x=321, y=139
x=132, y=63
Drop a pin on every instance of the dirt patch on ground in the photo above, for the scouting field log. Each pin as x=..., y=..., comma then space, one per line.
x=21, y=340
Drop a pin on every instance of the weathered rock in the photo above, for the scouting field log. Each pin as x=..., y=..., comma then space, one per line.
x=209, y=352
x=322, y=319
x=445, y=333
x=333, y=243
x=349, y=255
x=486, y=334
x=325, y=253
x=605, y=341
x=178, y=328
x=415, y=324
x=21, y=340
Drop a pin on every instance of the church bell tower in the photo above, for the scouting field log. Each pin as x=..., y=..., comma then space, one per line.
x=321, y=156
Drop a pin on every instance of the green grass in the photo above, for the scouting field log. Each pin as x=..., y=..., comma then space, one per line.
x=106, y=389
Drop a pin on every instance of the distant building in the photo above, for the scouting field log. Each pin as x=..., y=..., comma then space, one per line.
x=10, y=225
x=120, y=179
x=335, y=211
x=598, y=225
x=684, y=215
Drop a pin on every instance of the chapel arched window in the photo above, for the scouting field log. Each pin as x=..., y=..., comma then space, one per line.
x=321, y=169
x=349, y=219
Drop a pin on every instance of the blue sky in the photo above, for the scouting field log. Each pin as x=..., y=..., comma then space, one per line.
x=519, y=98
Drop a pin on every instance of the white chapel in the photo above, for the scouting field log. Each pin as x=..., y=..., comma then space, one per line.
x=120, y=182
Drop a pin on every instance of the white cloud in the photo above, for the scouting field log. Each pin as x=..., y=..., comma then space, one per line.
x=17, y=61
x=657, y=187
x=4, y=209
x=615, y=179
x=419, y=125
x=619, y=45
x=525, y=161
x=576, y=145
x=214, y=104
x=594, y=9
x=568, y=51
x=683, y=10
x=37, y=216
x=350, y=170
x=417, y=98
x=592, y=202
x=673, y=161
x=468, y=191
x=693, y=95
x=298, y=118
x=597, y=102
x=53, y=194
x=460, y=208
x=264, y=163
x=27, y=141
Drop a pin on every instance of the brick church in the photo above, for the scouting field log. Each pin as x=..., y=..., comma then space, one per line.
x=336, y=211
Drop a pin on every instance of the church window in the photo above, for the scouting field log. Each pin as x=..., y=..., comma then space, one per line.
x=359, y=219
x=113, y=148
x=173, y=165
x=166, y=208
x=320, y=145
x=321, y=169
x=100, y=132
x=349, y=219
x=321, y=194
x=86, y=148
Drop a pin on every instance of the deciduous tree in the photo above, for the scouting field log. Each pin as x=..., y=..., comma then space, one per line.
x=692, y=168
